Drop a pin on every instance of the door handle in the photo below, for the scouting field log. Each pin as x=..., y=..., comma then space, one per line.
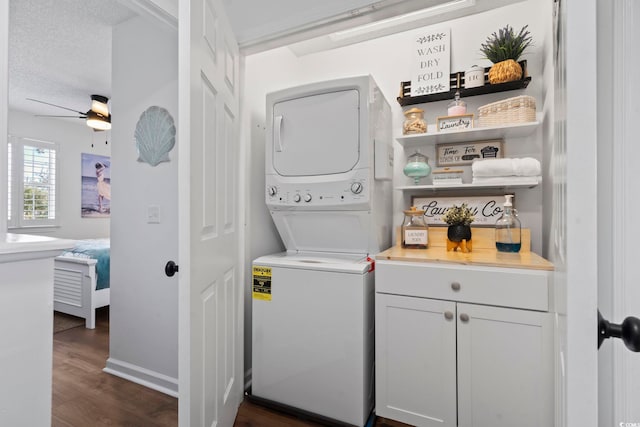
x=277, y=133
x=628, y=330
x=170, y=268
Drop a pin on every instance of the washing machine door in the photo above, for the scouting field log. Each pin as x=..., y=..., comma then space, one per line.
x=317, y=134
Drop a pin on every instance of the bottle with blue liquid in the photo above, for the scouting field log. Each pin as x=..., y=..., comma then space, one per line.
x=508, y=229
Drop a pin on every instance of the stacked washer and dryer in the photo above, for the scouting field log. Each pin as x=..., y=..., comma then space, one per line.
x=329, y=165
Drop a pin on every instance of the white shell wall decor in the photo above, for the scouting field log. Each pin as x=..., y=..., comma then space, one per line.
x=155, y=135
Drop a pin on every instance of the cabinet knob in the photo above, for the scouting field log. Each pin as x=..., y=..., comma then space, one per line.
x=464, y=317
x=455, y=286
x=448, y=315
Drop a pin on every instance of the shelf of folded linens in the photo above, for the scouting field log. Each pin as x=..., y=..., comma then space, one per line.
x=503, y=183
x=516, y=130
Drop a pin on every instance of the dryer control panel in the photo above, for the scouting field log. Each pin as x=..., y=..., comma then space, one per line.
x=317, y=195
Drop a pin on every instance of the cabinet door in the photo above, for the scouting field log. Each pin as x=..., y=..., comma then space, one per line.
x=505, y=367
x=416, y=360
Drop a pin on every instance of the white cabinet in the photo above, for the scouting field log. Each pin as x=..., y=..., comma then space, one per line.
x=443, y=362
x=26, y=328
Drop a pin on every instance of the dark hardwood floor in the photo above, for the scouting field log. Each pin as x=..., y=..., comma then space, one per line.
x=84, y=396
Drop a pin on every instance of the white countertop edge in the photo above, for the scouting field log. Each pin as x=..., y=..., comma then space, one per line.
x=29, y=246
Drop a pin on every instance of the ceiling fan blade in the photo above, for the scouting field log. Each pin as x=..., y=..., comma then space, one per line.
x=73, y=117
x=54, y=105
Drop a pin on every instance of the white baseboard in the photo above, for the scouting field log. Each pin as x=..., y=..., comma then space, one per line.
x=153, y=380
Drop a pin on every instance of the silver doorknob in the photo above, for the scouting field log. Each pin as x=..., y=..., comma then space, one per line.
x=455, y=286
x=448, y=315
x=464, y=317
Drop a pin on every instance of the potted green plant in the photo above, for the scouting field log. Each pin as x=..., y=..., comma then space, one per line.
x=504, y=48
x=459, y=219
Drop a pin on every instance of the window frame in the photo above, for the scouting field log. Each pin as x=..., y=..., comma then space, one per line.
x=16, y=187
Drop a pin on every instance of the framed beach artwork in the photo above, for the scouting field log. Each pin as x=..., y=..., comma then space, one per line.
x=96, y=186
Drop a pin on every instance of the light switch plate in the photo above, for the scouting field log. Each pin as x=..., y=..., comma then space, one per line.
x=153, y=214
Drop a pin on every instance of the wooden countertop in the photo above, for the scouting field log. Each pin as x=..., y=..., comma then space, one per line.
x=483, y=253
x=484, y=257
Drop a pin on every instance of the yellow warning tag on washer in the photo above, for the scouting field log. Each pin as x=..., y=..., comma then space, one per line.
x=261, y=283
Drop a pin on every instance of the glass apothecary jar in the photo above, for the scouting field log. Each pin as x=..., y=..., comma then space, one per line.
x=414, y=122
x=417, y=167
x=415, y=231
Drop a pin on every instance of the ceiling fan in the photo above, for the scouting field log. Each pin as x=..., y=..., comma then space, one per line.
x=98, y=117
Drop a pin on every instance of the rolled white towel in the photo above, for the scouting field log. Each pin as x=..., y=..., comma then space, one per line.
x=492, y=167
x=526, y=166
x=506, y=167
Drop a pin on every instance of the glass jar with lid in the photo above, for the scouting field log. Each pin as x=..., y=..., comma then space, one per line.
x=417, y=167
x=414, y=122
x=415, y=231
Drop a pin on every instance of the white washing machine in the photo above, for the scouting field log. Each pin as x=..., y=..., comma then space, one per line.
x=329, y=163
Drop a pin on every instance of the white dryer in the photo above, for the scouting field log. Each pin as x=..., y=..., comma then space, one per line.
x=329, y=164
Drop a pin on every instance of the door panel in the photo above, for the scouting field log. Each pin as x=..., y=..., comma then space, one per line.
x=301, y=130
x=505, y=367
x=210, y=272
x=416, y=360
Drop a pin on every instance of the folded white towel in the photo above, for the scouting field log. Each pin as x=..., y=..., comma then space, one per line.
x=526, y=166
x=506, y=180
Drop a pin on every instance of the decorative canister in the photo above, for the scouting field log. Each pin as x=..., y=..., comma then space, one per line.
x=414, y=122
x=415, y=231
x=474, y=77
x=457, y=107
x=417, y=167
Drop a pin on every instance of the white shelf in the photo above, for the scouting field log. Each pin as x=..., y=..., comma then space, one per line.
x=507, y=184
x=475, y=134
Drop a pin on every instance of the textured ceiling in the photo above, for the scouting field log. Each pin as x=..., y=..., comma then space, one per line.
x=60, y=52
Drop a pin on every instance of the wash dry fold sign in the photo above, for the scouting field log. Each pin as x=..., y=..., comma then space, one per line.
x=431, y=62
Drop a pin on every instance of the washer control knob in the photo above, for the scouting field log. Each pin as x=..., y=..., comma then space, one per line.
x=297, y=198
x=273, y=191
x=356, y=188
x=307, y=197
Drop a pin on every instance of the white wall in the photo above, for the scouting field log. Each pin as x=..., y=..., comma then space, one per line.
x=144, y=302
x=388, y=60
x=73, y=139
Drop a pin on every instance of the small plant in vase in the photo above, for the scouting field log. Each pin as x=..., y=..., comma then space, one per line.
x=459, y=219
x=504, y=48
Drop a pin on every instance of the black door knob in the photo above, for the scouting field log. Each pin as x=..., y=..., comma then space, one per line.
x=628, y=330
x=171, y=268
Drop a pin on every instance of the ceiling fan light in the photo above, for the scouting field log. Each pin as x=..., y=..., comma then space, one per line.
x=99, y=104
x=98, y=121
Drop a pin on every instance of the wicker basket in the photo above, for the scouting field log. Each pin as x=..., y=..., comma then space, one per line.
x=520, y=109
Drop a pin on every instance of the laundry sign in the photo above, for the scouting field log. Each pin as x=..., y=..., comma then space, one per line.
x=486, y=209
x=431, y=62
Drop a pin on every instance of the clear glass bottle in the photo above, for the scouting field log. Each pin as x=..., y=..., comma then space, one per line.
x=414, y=122
x=415, y=231
x=508, y=229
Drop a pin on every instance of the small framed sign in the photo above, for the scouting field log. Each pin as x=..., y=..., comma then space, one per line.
x=464, y=153
x=486, y=209
x=453, y=123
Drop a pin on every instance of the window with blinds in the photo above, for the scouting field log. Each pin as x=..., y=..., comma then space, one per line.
x=32, y=183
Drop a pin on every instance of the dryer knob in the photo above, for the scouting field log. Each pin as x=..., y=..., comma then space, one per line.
x=356, y=188
x=307, y=197
x=297, y=198
x=273, y=191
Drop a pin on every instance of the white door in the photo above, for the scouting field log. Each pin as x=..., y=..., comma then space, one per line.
x=573, y=243
x=210, y=273
x=618, y=151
